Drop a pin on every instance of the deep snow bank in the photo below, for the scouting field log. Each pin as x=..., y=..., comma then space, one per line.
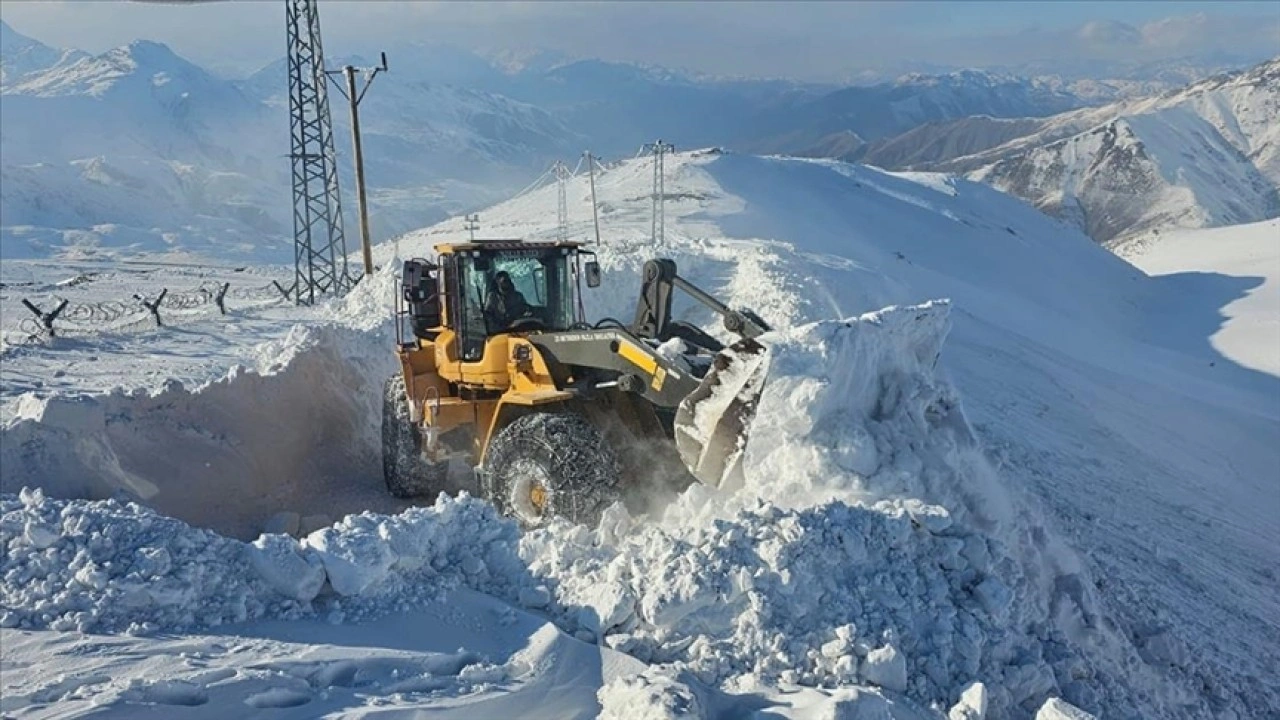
x=1096, y=389
x=297, y=433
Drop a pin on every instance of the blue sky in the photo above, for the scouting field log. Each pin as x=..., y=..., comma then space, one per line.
x=813, y=41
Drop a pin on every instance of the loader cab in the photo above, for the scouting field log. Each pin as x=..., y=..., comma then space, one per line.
x=482, y=289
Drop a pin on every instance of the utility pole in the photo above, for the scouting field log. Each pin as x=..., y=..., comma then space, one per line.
x=472, y=225
x=658, y=150
x=353, y=98
x=595, y=209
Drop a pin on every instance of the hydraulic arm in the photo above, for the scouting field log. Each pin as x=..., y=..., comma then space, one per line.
x=653, y=309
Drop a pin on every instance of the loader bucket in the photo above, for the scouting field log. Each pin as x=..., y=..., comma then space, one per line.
x=711, y=422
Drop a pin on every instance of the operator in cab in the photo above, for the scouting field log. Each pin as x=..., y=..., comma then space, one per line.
x=505, y=303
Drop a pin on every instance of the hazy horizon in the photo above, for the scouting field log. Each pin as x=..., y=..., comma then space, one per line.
x=817, y=42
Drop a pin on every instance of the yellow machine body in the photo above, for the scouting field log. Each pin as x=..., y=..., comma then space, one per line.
x=447, y=392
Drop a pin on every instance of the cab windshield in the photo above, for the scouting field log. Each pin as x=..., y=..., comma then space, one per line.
x=513, y=290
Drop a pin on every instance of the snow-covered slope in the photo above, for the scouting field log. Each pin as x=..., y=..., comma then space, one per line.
x=1204, y=156
x=1048, y=485
x=1250, y=333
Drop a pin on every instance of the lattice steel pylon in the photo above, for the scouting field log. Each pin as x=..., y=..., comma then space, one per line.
x=659, y=149
x=562, y=174
x=319, y=244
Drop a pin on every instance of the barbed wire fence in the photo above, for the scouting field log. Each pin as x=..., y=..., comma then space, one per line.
x=55, y=316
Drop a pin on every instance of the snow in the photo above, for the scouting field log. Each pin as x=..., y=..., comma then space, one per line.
x=972, y=704
x=289, y=569
x=1248, y=254
x=886, y=667
x=1056, y=709
x=441, y=656
x=1039, y=485
x=118, y=567
x=650, y=694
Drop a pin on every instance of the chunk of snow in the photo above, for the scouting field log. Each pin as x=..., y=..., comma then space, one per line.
x=886, y=667
x=1165, y=648
x=653, y=694
x=972, y=704
x=289, y=568
x=993, y=595
x=175, y=692
x=38, y=535
x=933, y=518
x=607, y=606
x=671, y=349
x=1059, y=709
x=277, y=697
x=353, y=554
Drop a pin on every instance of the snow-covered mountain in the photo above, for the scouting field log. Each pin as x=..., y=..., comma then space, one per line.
x=431, y=148
x=930, y=144
x=137, y=149
x=1204, y=156
x=618, y=106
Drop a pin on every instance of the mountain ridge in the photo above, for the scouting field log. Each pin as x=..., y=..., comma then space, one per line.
x=1204, y=156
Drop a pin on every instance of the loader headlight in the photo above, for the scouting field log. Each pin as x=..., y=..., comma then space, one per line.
x=522, y=353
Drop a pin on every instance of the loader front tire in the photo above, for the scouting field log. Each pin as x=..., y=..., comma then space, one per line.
x=546, y=465
x=407, y=472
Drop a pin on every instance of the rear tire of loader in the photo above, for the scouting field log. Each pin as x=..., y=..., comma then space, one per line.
x=408, y=474
x=546, y=465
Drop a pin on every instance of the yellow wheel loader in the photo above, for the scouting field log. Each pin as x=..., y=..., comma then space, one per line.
x=559, y=416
